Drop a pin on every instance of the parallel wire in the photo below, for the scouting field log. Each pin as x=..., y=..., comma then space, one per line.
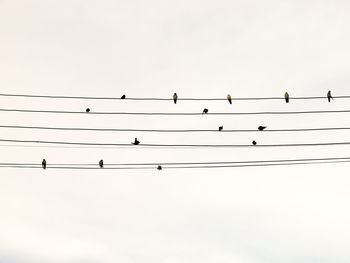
x=169, y=130
x=177, y=145
x=176, y=113
x=184, y=163
x=167, y=99
x=176, y=167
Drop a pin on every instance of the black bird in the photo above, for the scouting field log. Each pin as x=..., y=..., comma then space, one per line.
x=88, y=110
x=261, y=128
x=136, y=142
x=286, y=97
x=205, y=111
x=123, y=97
x=220, y=128
x=229, y=98
x=254, y=142
x=100, y=163
x=159, y=167
x=329, y=96
x=43, y=164
x=175, y=97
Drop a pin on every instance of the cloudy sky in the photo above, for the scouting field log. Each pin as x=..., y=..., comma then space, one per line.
x=153, y=49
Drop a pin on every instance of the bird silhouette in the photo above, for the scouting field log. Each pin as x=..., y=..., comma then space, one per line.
x=254, y=142
x=229, y=98
x=159, y=167
x=261, y=128
x=286, y=96
x=43, y=164
x=329, y=96
x=136, y=142
x=220, y=128
x=205, y=111
x=100, y=163
x=87, y=110
x=175, y=97
x=123, y=97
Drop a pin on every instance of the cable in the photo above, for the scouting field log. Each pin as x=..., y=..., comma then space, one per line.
x=176, y=145
x=177, y=167
x=168, y=99
x=176, y=113
x=184, y=163
x=168, y=130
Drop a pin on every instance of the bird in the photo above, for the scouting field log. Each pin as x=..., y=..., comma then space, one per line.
x=220, y=128
x=159, y=167
x=175, y=98
x=43, y=164
x=100, y=163
x=254, y=142
x=286, y=96
x=229, y=98
x=329, y=96
x=123, y=97
x=205, y=111
x=261, y=128
x=136, y=142
x=87, y=110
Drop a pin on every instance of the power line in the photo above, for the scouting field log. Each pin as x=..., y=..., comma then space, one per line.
x=176, y=167
x=185, y=163
x=176, y=113
x=168, y=99
x=176, y=145
x=169, y=130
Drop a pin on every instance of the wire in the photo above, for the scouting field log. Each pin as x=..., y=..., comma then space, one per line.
x=167, y=99
x=184, y=163
x=176, y=145
x=175, y=113
x=168, y=130
x=177, y=167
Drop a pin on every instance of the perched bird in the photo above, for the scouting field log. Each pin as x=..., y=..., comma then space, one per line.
x=286, y=96
x=329, y=96
x=229, y=98
x=261, y=128
x=159, y=167
x=100, y=163
x=43, y=164
x=136, y=142
x=123, y=97
x=88, y=110
x=220, y=128
x=205, y=111
x=254, y=142
x=175, y=97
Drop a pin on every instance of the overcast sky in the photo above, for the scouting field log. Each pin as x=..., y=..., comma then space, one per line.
x=197, y=49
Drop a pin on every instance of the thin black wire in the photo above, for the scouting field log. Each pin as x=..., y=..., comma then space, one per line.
x=64, y=147
x=177, y=167
x=176, y=113
x=175, y=145
x=168, y=130
x=254, y=165
x=168, y=99
x=184, y=163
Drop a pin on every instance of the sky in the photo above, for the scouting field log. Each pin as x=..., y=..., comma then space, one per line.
x=153, y=49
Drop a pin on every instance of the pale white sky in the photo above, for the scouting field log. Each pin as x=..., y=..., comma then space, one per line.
x=197, y=49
